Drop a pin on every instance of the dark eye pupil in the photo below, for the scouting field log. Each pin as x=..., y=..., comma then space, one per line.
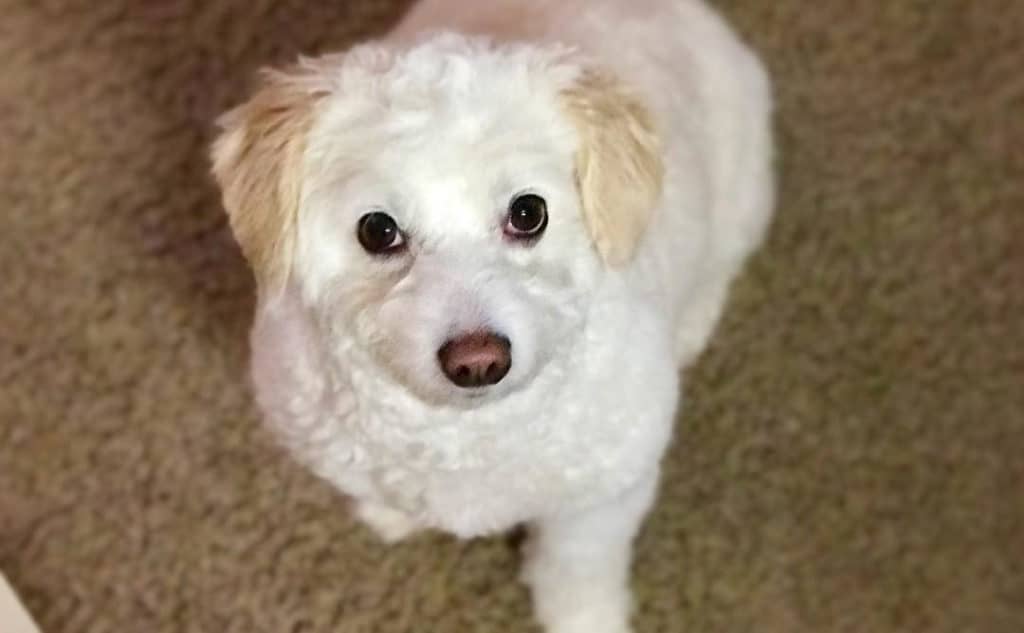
x=528, y=215
x=378, y=232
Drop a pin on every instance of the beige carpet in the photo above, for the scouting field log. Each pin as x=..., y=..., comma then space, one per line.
x=852, y=458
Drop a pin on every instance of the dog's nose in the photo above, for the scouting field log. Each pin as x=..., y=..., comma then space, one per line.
x=477, y=359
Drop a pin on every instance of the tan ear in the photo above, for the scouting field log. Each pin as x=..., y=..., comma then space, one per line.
x=257, y=161
x=619, y=169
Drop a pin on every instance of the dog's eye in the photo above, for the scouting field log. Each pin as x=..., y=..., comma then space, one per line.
x=527, y=217
x=379, y=233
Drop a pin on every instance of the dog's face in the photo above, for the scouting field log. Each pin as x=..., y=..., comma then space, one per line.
x=445, y=213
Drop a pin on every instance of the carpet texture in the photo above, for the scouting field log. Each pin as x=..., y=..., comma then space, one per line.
x=850, y=458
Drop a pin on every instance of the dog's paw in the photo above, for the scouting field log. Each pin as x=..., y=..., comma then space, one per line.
x=588, y=623
x=389, y=524
x=573, y=605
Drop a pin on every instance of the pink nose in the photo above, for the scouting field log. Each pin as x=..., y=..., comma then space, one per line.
x=477, y=359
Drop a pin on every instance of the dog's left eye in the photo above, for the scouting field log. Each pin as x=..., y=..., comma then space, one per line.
x=527, y=217
x=379, y=233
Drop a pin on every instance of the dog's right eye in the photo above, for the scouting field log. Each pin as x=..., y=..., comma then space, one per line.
x=379, y=234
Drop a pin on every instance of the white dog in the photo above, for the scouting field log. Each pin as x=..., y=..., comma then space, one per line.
x=485, y=245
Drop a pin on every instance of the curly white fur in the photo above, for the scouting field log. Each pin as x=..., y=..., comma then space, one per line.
x=460, y=108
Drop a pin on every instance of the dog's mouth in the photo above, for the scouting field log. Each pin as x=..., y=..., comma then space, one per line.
x=478, y=396
x=484, y=396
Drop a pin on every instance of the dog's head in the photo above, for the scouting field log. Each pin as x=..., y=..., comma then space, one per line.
x=445, y=212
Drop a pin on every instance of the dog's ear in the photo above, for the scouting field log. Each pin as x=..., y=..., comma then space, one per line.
x=619, y=168
x=257, y=161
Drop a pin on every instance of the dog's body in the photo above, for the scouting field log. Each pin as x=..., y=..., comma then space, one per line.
x=644, y=128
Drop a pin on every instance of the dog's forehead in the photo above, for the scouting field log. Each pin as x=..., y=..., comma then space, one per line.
x=448, y=95
x=446, y=145
x=450, y=123
x=478, y=145
x=442, y=140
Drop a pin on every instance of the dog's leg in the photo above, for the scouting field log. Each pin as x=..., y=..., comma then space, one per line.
x=577, y=566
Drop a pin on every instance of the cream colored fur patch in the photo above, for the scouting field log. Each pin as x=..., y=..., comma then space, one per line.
x=619, y=167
